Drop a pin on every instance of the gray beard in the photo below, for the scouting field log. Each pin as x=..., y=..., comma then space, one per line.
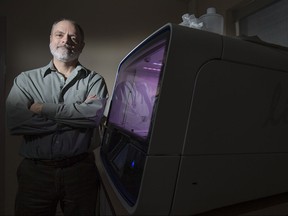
x=64, y=55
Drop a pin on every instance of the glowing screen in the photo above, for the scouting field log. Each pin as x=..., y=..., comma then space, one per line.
x=136, y=90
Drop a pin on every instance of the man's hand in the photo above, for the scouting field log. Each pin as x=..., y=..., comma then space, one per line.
x=90, y=98
x=36, y=108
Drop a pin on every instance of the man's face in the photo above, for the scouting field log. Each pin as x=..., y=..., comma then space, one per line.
x=66, y=43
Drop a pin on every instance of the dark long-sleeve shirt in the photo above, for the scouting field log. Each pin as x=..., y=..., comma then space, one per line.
x=72, y=108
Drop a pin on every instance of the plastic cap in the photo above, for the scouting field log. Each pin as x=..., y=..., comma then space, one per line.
x=211, y=10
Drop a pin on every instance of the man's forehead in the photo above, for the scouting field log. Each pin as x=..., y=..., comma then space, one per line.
x=64, y=26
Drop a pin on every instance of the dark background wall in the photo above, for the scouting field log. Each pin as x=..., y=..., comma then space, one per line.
x=2, y=99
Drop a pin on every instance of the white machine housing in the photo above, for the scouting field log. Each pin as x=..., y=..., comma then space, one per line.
x=219, y=132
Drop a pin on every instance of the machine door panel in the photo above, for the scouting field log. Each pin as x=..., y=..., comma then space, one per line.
x=238, y=109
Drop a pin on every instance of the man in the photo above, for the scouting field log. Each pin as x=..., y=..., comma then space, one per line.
x=55, y=108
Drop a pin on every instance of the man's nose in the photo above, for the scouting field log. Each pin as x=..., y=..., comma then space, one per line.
x=66, y=39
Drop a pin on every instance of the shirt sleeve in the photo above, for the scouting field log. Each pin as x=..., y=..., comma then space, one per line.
x=81, y=114
x=20, y=120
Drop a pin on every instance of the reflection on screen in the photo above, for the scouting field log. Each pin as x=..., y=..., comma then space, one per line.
x=136, y=91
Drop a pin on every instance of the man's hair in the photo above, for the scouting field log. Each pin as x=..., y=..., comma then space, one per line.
x=79, y=28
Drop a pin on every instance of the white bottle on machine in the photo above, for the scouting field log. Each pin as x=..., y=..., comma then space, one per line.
x=212, y=21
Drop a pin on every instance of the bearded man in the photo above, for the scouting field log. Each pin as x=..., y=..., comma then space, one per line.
x=55, y=109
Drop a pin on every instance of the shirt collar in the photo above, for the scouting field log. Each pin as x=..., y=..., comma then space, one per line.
x=51, y=68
